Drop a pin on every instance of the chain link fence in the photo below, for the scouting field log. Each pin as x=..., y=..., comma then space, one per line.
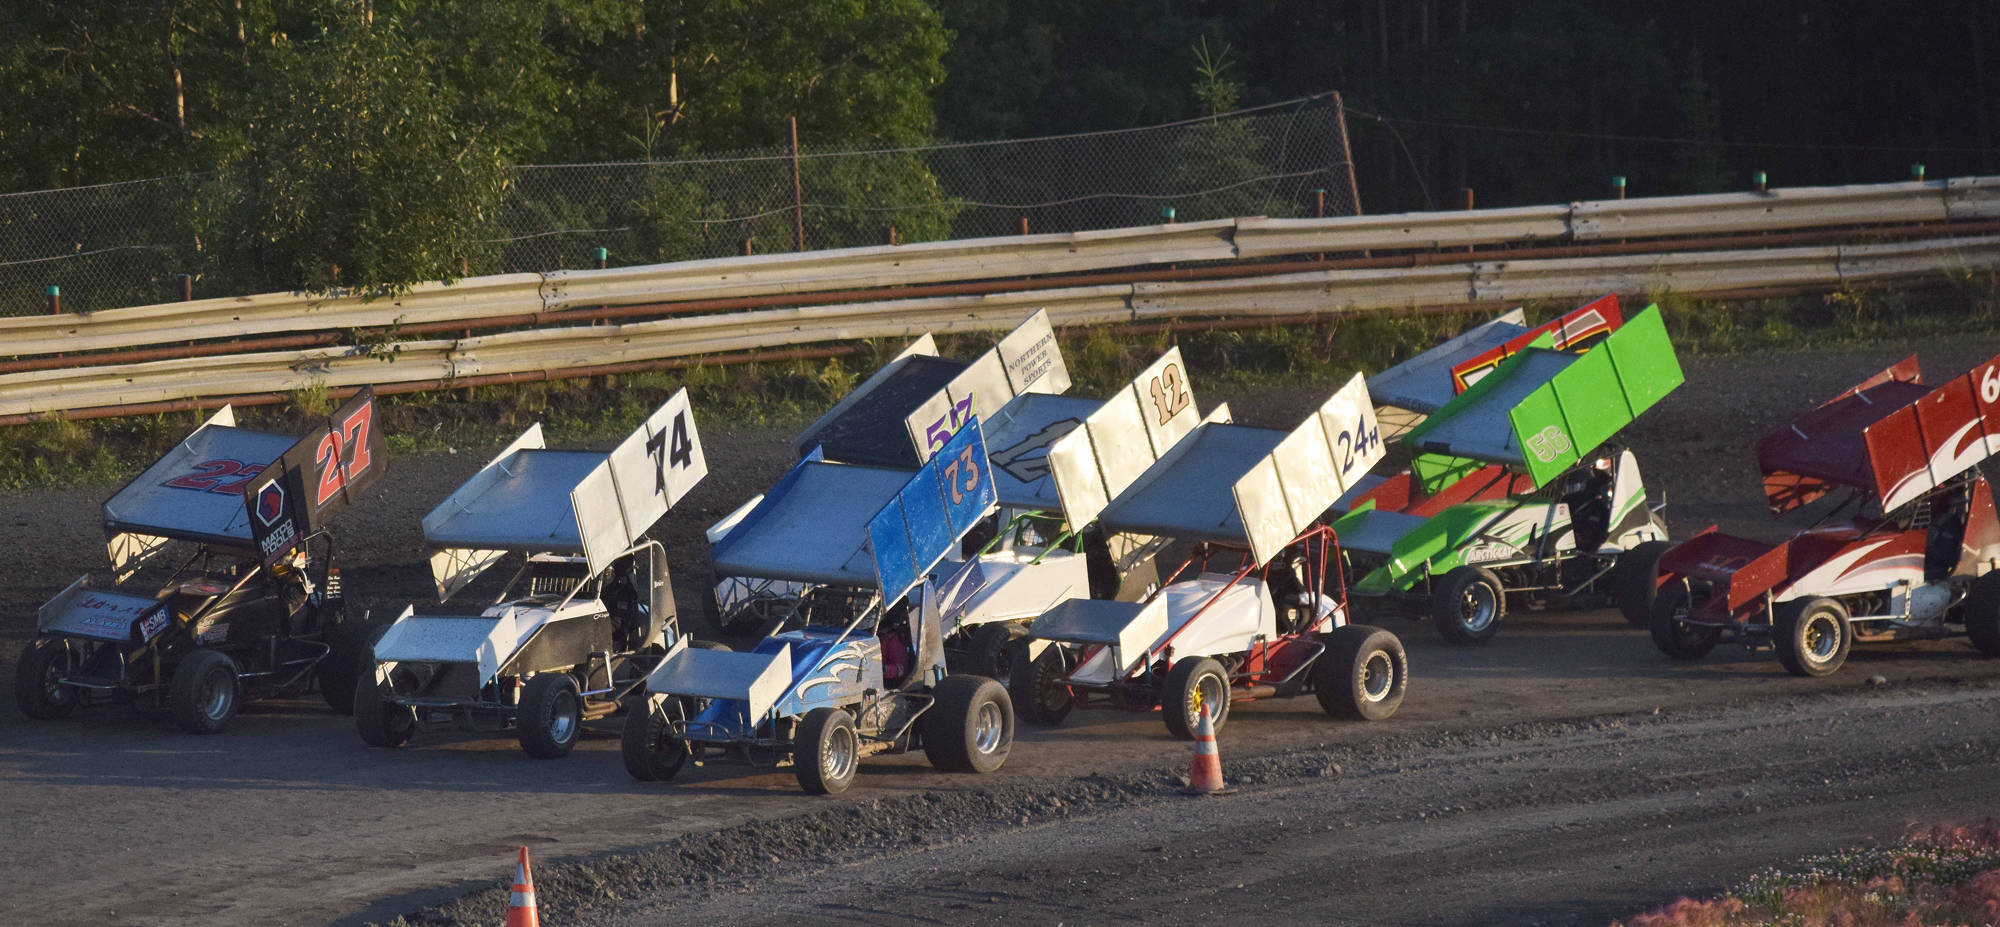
x=130, y=244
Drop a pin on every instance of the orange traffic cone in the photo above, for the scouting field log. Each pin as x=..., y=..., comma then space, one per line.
x=521, y=908
x=1205, y=771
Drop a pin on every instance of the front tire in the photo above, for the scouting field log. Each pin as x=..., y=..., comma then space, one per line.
x=1668, y=624
x=989, y=650
x=1639, y=580
x=550, y=716
x=826, y=752
x=381, y=722
x=970, y=728
x=204, y=692
x=1362, y=674
x=1812, y=636
x=1192, y=683
x=1033, y=683
x=648, y=746
x=1982, y=614
x=1468, y=605
x=37, y=680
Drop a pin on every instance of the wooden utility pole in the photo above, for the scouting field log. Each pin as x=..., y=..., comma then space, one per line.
x=798, y=192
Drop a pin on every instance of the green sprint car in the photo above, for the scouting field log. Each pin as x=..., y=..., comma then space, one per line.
x=1513, y=490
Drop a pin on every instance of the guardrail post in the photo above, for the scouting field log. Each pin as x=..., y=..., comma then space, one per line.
x=187, y=287
x=749, y=244
x=1618, y=183
x=1167, y=215
x=1024, y=225
x=1762, y=181
x=603, y=256
x=892, y=235
x=1917, y=171
x=1319, y=202
x=1468, y=199
x=55, y=299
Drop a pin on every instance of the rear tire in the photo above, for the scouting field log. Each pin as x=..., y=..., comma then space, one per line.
x=36, y=689
x=1812, y=636
x=1468, y=605
x=339, y=672
x=1032, y=685
x=989, y=651
x=1982, y=614
x=550, y=716
x=648, y=746
x=970, y=728
x=826, y=752
x=204, y=692
x=1192, y=683
x=1362, y=674
x=1671, y=633
x=1639, y=580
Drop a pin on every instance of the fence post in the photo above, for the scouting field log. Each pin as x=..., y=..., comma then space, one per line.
x=603, y=256
x=1763, y=180
x=1917, y=172
x=798, y=191
x=749, y=244
x=1347, y=152
x=187, y=287
x=892, y=234
x=1618, y=184
x=1024, y=225
x=1319, y=202
x=1468, y=199
x=55, y=299
x=1167, y=215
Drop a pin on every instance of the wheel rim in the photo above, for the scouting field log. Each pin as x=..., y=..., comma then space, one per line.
x=563, y=720
x=988, y=726
x=836, y=759
x=1475, y=607
x=1683, y=631
x=1821, y=638
x=216, y=693
x=53, y=691
x=1003, y=663
x=1208, y=691
x=1378, y=676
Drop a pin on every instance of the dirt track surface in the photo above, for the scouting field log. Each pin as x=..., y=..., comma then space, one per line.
x=113, y=818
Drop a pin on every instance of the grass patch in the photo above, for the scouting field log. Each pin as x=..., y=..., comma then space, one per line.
x=1938, y=876
x=597, y=410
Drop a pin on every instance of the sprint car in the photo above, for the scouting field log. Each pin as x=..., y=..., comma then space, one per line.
x=1909, y=551
x=1512, y=490
x=586, y=614
x=1249, y=614
x=1025, y=557
x=250, y=602
x=858, y=666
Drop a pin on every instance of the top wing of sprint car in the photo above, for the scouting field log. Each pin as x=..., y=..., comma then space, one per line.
x=1423, y=384
x=532, y=499
x=252, y=491
x=909, y=408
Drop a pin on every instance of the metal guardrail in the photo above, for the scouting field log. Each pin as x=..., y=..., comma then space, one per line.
x=992, y=258
x=1318, y=292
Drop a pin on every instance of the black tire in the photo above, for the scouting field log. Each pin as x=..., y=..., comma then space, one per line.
x=381, y=722
x=970, y=728
x=989, y=650
x=1982, y=614
x=826, y=751
x=1812, y=636
x=1467, y=606
x=1032, y=686
x=1671, y=634
x=1192, y=683
x=204, y=692
x=1362, y=675
x=36, y=689
x=340, y=670
x=647, y=745
x=549, y=718
x=1639, y=580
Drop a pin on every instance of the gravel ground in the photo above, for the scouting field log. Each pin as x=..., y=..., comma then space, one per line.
x=114, y=818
